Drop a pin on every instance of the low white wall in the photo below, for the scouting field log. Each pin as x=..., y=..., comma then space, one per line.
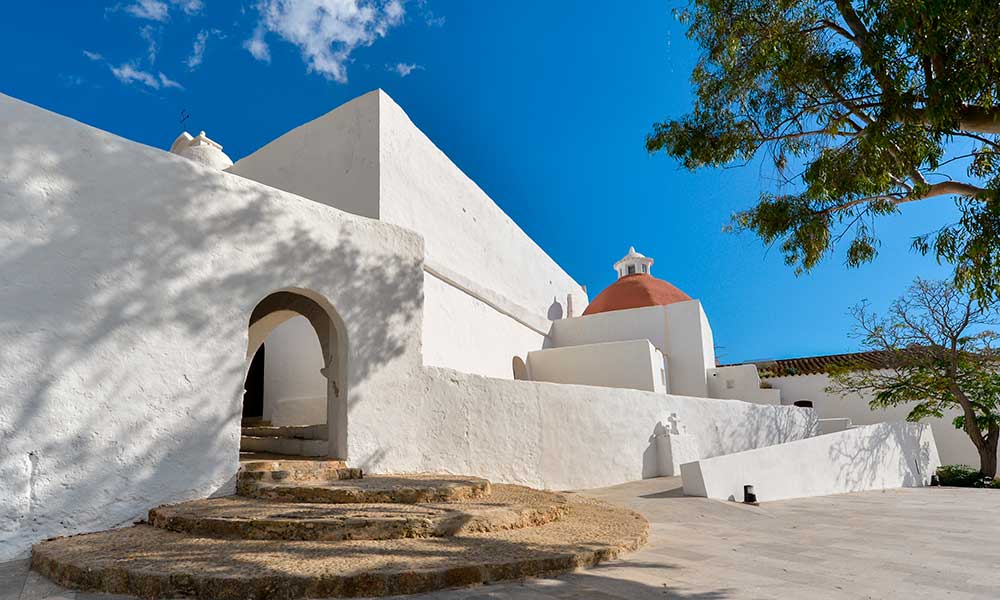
x=740, y=382
x=953, y=444
x=635, y=364
x=874, y=457
x=294, y=388
x=465, y=334
x=548, y=435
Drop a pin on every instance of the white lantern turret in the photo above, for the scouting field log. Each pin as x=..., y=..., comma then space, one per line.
x=633, y=263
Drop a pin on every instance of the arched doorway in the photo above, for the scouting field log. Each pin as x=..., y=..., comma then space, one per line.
x=303, y=331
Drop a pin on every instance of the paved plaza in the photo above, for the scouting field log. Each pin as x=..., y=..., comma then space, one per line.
x=906, y=543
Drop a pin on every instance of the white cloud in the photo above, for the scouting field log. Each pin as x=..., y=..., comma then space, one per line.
x=128, y=74
x=190, y=7
x=428, y=15
x=257, y=46
x=146, y=31
x=93, y=55
x=159, y=10
x=169, y=83
x=153, y=10
x=404, y=69
x=198, y=51
x=325, y=31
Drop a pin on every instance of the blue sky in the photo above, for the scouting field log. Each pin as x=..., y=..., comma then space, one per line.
x=544, y=104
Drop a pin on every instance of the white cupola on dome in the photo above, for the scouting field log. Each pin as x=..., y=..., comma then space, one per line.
x=202, y=150
x=633, y=263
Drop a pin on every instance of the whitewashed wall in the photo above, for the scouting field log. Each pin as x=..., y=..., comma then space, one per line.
x=954, y=445
x=332, y=159
x=464, y=230
x=873, y=457
x=680, y=331
x=634, y=364
x=741, y=382
x=367, y=157
x=294, y=388
x=466, y=334
x=127, y=279
x=649, y=323
x=690, y=348
x=546, y=434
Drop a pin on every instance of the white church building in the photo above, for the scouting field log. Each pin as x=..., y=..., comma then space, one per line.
x=344, y=291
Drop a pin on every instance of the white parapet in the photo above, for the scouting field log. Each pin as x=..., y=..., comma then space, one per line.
x=873, y=457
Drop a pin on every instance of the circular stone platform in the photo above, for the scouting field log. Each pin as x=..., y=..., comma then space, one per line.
x=507, y=507
x=377, y=489
x=154, y=563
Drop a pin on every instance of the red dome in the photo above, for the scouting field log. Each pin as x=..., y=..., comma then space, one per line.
x=636, y=291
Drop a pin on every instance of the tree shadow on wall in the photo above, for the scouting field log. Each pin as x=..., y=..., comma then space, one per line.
x=865, y=460
x=122, y=261
x=762, y=425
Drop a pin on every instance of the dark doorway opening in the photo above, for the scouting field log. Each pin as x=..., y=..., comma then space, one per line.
x=253, y=389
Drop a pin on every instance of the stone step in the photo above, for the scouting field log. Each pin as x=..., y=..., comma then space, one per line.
x=291, y=470
x=299, y=432
x=280, y=445
x=301, y=466
x=509, y=507
x=381, y=489
x=150, y=562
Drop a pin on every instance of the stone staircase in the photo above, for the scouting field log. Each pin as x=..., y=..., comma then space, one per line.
x=303, y=440
x=316, y=528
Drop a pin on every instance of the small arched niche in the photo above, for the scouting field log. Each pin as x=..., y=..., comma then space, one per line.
x=276, y=310
x=520, y=369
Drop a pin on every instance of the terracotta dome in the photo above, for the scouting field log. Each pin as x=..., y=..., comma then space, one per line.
x=635, y=291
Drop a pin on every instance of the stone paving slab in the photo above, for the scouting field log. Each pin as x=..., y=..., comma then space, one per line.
x=933, y=543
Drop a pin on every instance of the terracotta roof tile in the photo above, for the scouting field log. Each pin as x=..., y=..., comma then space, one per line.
x=814, y=365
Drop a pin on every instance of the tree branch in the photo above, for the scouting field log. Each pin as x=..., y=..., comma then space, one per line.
x=944, y=188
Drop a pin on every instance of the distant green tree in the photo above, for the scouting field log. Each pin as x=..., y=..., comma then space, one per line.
x=866, y=100
x=940, y=356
